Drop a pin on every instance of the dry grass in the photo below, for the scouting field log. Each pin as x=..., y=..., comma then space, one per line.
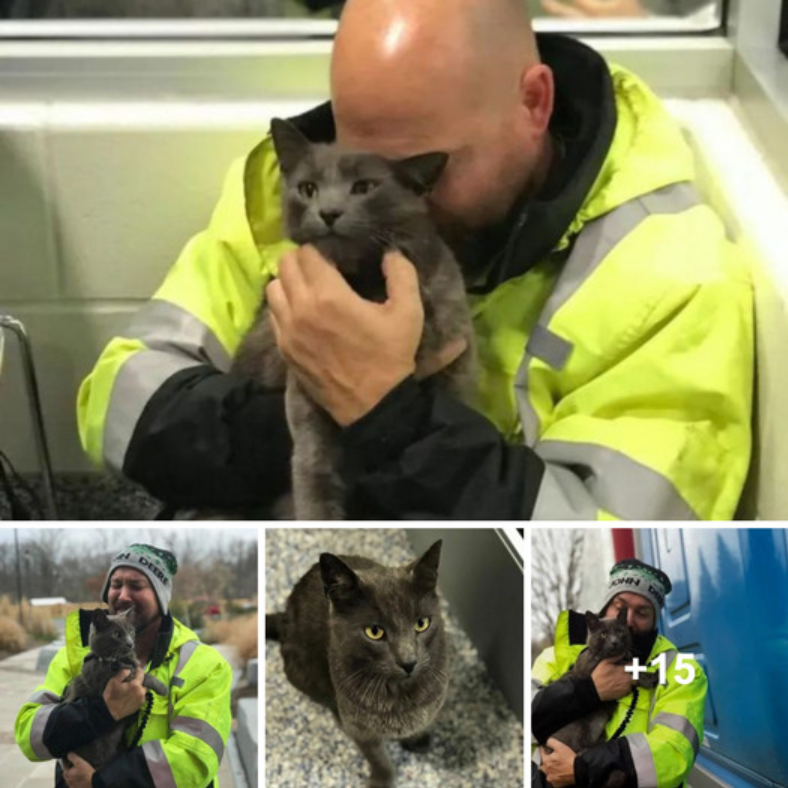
x=37, y=620
x=240, y=632
x=13, y=638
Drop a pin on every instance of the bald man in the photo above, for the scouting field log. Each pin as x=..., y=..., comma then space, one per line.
x=613, y=319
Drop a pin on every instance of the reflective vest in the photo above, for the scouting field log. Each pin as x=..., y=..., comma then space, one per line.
x=184, y=738
x=665, y=729
x=624, y=359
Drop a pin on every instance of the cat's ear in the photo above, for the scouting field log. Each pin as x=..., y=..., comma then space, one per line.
x=421, y=172
x=289, y=143
x=425, y=569
x=592, y=621
x=340, y=582
x=622, y=615
x=99, y=619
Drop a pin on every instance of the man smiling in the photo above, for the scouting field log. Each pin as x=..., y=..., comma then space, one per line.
x=174, y=741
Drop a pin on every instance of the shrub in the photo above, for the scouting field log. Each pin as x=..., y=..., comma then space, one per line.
x=12, y=636
x=240, y=632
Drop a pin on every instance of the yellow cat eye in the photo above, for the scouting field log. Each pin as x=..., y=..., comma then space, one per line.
x=374, y=632
x=422, y=624
x=307, y=189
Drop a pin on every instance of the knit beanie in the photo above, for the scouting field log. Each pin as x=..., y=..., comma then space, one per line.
x=635, y=577
x=158, y=565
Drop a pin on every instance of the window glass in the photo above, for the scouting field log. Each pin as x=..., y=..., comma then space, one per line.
x=552, y=14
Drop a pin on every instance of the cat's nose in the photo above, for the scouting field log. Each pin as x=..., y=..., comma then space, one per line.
x=329, y=217
x=408, y=667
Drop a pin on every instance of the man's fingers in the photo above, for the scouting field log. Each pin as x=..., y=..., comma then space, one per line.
x=291, y=278
x=277, y=302
x=74, y=759
x=402, y=281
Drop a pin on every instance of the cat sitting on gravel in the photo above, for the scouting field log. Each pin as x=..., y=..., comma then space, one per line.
x=367, y=641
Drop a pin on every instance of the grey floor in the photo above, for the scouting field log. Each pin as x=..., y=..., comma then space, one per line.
x=477, y=741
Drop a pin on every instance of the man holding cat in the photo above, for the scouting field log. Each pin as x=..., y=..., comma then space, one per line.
x=654, y=734
x=176, y=740
x=613, y=319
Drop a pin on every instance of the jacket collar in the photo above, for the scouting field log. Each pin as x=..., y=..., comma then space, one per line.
x=582, y=127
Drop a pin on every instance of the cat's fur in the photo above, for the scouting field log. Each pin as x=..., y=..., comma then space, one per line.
x=607, y=638
x=365, y=682
x=111, y=642
x=362, y=206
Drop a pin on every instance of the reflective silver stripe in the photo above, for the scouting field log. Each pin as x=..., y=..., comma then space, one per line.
x=549, y=347
x=44, y=696
x=201, y=730
x=562, y=496
x=158, y=765
x=37, y=732
x=175, y=340
x=681, y=725
x=165, y=326
x=137, y=380
x=593, y=244
x=616, y=483
x=184, y=655
x=643, y=760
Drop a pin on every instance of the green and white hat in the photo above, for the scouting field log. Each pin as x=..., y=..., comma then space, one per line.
x=635, y=577
x=158, y=565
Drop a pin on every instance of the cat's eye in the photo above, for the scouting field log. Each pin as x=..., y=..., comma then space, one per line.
x=374, y=632
x=363, y=187
x=307, y=189
x=423, y=624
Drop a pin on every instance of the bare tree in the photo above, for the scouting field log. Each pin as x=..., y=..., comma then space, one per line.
x=556, y=584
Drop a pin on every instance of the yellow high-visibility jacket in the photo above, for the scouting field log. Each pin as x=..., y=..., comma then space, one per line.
x=661, y=732
x=616, y=369
x=183, y=739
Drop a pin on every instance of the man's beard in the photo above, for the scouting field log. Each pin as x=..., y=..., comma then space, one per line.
x=642, y=643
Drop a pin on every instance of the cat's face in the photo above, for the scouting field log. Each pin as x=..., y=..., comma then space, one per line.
x=385, y=622
x=608, y=637
x=110, y=635
x=334, y=195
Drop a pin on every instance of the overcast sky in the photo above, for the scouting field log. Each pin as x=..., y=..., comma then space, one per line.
x=119, y=536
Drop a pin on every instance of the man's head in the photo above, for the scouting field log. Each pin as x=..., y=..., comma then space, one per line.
x=461, y=77
x=140, y=580
x=639, y=589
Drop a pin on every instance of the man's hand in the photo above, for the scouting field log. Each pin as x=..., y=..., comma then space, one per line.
x=611, y=680
x=558, y=765
x=347, y=352
x=583, y=9
x=124, y=698
x=79, y=774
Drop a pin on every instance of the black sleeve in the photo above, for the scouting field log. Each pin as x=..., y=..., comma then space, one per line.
x=72, y=725
x=560, y=703
x=594, y=766
x=209, y=439
x=423, y=454
x=129, y=770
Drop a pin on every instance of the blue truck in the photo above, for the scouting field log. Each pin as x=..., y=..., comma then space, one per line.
x=729, y=607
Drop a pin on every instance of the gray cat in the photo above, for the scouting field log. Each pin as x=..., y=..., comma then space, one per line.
x=367, y=641
x=353, y=207
x=607, y=638
x=111, y=641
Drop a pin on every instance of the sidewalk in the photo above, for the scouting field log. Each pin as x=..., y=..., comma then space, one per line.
x=18, y=681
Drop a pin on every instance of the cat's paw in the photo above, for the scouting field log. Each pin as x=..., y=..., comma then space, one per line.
x=419, y=743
